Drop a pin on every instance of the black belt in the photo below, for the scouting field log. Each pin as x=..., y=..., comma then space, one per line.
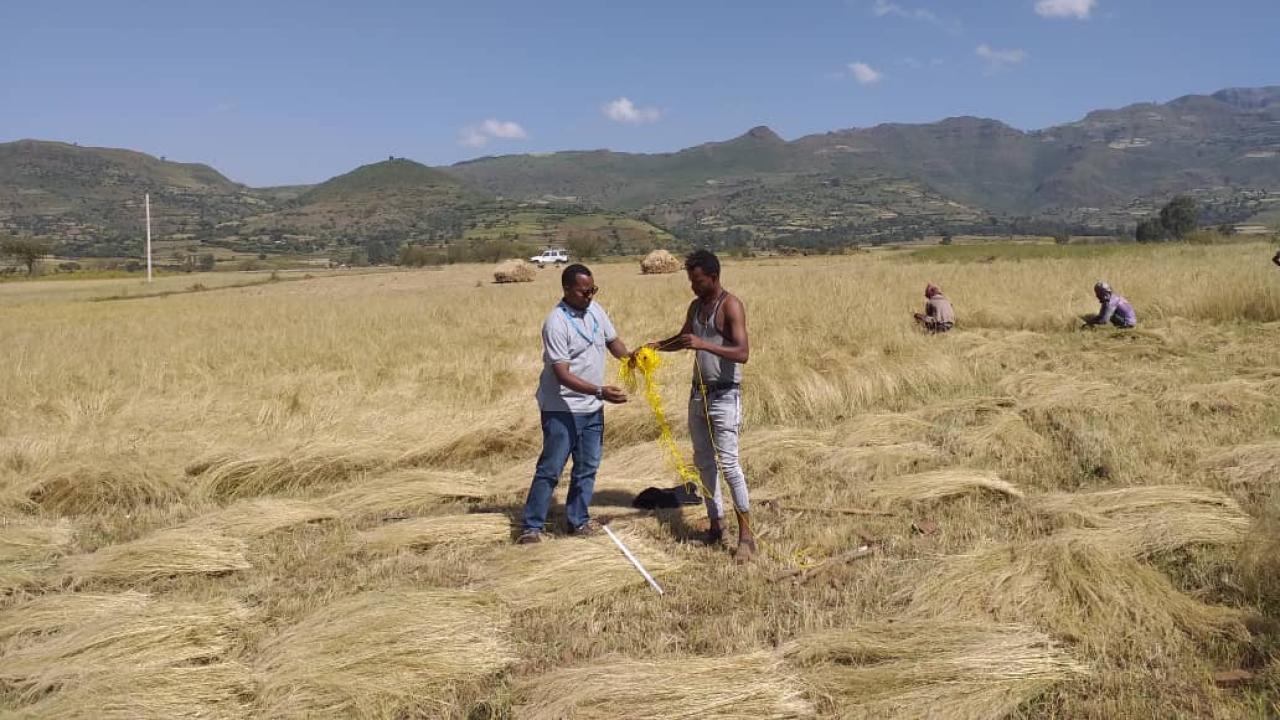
x=714, y=386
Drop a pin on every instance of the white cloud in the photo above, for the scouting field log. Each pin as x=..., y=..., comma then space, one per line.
x=1078, y=9
x=1000, y=59
x=504, y=129
x=882, y=8
x=865, y=74
x=624, y=111
x=478, y=136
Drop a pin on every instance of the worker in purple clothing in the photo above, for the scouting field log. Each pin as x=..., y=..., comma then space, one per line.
x=1115, y=309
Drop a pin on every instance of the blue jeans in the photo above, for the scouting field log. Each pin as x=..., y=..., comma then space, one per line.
x=565, y=434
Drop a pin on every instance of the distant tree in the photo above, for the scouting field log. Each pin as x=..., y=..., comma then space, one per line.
x=1061, y=237
x=1150, y=230
x=206, y=262
x=27, y=250
x=1226, y=229
x=1179, y=216
x=946, y=238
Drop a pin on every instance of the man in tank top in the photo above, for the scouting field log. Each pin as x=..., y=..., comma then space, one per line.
x=715, y=328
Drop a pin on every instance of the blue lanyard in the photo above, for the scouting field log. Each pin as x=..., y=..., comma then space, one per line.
x=595, y=324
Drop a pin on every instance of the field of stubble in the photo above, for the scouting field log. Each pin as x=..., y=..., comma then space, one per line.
x=296, y=500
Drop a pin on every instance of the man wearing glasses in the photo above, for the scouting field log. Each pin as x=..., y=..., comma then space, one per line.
x=571, y=396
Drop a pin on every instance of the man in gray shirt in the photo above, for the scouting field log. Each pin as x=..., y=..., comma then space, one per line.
x=571, y=396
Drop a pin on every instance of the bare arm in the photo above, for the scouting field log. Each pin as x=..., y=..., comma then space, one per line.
x=617, y=348
x=573, y=382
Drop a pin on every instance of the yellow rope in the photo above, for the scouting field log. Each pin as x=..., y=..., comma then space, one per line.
x=643, y=366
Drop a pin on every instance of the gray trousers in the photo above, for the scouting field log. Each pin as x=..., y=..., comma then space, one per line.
x=724, y=408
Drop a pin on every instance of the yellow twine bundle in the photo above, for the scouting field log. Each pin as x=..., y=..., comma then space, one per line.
x=644, y=364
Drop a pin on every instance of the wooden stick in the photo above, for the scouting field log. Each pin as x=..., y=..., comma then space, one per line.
x=803, y=575
x=836, y=510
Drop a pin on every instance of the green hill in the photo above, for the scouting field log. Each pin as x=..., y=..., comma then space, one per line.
x=70, y=191
x=1092, y=171
x=394, y=198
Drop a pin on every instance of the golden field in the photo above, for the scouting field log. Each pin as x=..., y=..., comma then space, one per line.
x=295, y=499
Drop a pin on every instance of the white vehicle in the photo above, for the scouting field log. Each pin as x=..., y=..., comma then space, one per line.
x=550, y=256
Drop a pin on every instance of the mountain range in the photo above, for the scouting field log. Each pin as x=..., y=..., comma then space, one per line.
x=1104, y=171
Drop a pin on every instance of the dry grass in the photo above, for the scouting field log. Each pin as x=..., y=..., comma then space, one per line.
x=569, y=571
x=1252, y=468
x=85, y=488
x=941, y=485
x=755, y=685
x=1154, y=519
x=28, y=546
x=54, y=613
x=469, y=529
x=254, y=518
x=208, y=692
x=1259, y=561
x=178, y=551
x=300, y=470
x=932, y=668
x=1086, y=590
x=383, y=655
x=407, y=491
x=110, y=639
x=258, y=412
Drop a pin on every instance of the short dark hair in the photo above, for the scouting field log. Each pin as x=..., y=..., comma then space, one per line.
x=705, y=260
x=573, y=271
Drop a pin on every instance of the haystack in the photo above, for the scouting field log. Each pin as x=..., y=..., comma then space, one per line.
x=941, y=485
x=469, y=529
x=510, y=271
x=931, y=668
x=660, y=261
x=383, y=654
x=567, y=572
x=176, y=551
x=755, y=685
x=1072, y=585
x=407, y=491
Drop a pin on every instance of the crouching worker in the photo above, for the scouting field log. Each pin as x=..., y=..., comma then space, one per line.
x=571, y=397
x=938, y=315
x=715, y=328
x=1114, y=309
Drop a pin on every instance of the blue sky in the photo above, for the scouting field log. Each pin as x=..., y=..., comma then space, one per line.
x=296, y=92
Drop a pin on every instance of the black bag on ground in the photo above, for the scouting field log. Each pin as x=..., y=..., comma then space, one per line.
x=653, y=498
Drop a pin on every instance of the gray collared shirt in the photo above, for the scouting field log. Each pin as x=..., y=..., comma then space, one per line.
x=578, y=338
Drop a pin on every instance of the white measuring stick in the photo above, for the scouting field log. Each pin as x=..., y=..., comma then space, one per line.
x=632, y=558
